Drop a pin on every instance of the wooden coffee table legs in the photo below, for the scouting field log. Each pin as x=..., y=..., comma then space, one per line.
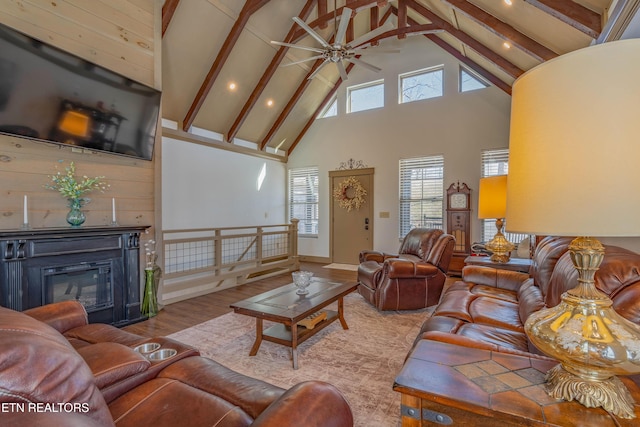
x=290, y=336
x=256, y=344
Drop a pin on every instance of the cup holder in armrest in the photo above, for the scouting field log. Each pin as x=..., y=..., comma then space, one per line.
x=162, y=354
x=147, y=347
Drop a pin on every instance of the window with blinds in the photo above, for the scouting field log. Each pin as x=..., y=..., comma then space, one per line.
x=303, y=199
x=496, y=162
x=421, y=193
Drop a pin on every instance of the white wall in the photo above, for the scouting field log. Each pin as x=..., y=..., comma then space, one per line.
x=205, y=187
x=457, y=125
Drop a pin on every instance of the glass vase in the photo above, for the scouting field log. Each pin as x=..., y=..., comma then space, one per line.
x=149, y=306
x=76, y=217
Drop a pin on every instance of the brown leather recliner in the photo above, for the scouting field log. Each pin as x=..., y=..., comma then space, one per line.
x=55, y=369
x=411, y=279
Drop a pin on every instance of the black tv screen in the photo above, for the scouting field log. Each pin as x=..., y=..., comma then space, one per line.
x=50, y=95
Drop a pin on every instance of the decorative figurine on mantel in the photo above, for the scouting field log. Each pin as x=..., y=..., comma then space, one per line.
x=73, y=190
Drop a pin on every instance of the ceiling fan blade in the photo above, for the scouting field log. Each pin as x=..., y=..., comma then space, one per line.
x=312, y=49
x=344, y=23
x=302, y=60
x=311, y=32
x=320, y=67
x=361, y=51
x=364, y=64
x=342, y=71
x=371, y=34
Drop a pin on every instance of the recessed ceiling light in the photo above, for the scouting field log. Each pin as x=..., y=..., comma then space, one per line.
x=232, y=86
x=270, y=102
x=508, y=2
x=506, y=45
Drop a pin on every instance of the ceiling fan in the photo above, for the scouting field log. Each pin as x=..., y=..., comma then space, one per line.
x=339, y=51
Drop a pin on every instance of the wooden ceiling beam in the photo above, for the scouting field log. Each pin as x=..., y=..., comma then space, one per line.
x=266, y=76
x=322, y=10
x=318, y=110
x=402, y=17
x=289, y=107
x=500, y=62
x=490, y=77
x=168, y=9
x=249, y=8
x=324, y=19
x=572, y=13
x=503, y=30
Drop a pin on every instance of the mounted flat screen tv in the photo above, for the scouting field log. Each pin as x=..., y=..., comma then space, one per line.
x=49, y=95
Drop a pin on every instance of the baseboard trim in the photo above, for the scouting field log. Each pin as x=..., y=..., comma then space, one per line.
x=318, y=259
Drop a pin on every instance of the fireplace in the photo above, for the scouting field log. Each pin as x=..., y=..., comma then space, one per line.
x=97, y=266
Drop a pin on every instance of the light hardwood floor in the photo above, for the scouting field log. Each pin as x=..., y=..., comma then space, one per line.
x=184, y=314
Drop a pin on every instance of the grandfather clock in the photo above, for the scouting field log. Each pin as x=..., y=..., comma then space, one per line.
x=459, y=224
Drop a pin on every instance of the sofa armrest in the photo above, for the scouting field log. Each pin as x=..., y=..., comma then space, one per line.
x=375, y=256
x=309, y=404
x=62, y=316
x=494, y=277
x=398, y=268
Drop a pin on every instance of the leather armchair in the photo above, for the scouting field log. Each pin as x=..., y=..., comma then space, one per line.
x=411, y=279
x=59, y=370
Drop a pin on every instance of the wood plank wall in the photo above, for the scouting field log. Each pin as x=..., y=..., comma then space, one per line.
x=123, y=36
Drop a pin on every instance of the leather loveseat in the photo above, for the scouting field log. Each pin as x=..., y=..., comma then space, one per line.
x=56, y=369
x=487, y=309
x=413, y=278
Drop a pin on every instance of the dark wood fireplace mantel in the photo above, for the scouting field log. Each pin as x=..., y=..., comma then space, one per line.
x=99, y=266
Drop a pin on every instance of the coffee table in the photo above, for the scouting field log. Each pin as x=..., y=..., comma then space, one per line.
x=283, y=306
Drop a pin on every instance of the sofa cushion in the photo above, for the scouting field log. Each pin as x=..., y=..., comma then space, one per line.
x=419, y=242
x=498, y=336
x=546, y=255
x=111, y=362
x=99, y=332
x=496, y=312
x=529, y=300
x=165, y=402
x=620, y=268
x=39, y=365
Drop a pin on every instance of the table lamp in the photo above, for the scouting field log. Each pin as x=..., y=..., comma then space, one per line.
x=492, y=203
x=573, y=167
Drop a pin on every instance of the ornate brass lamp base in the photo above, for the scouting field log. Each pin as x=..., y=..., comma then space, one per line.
x=592, y=341
x=499, y=245
x=611, y=394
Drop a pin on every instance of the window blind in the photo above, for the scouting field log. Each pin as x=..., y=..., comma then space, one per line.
x=421, y=193
x=303, y=199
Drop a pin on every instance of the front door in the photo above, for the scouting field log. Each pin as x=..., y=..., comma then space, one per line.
x=351, y=214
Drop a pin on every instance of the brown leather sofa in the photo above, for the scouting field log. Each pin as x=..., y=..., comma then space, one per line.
x=487, y=309
x=56, y=369
x=411, y=279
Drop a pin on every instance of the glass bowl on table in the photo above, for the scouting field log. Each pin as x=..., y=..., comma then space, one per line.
x=302, y=279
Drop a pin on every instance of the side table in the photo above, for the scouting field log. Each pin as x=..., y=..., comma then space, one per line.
x=446, y=384
x=514, y=264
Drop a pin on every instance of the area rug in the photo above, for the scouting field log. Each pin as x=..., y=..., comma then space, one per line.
x=337, y=266
x=361, y=362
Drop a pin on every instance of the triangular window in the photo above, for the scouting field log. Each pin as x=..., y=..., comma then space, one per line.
x=331, y=110
x=469, y=82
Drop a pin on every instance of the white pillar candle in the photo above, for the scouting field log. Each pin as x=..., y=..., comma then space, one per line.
x=25, y=211
x=113, y=210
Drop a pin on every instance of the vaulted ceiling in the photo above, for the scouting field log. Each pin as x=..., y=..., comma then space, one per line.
x=222, y=73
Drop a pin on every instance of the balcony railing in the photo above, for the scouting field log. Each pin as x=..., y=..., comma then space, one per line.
x=200, y=261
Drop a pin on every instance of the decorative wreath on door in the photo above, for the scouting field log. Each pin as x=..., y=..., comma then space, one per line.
x=350, y=194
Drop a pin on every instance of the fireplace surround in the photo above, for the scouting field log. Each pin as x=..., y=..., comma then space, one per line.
x=98, y=266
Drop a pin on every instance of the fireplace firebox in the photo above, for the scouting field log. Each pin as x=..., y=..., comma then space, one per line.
x=97, y=266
